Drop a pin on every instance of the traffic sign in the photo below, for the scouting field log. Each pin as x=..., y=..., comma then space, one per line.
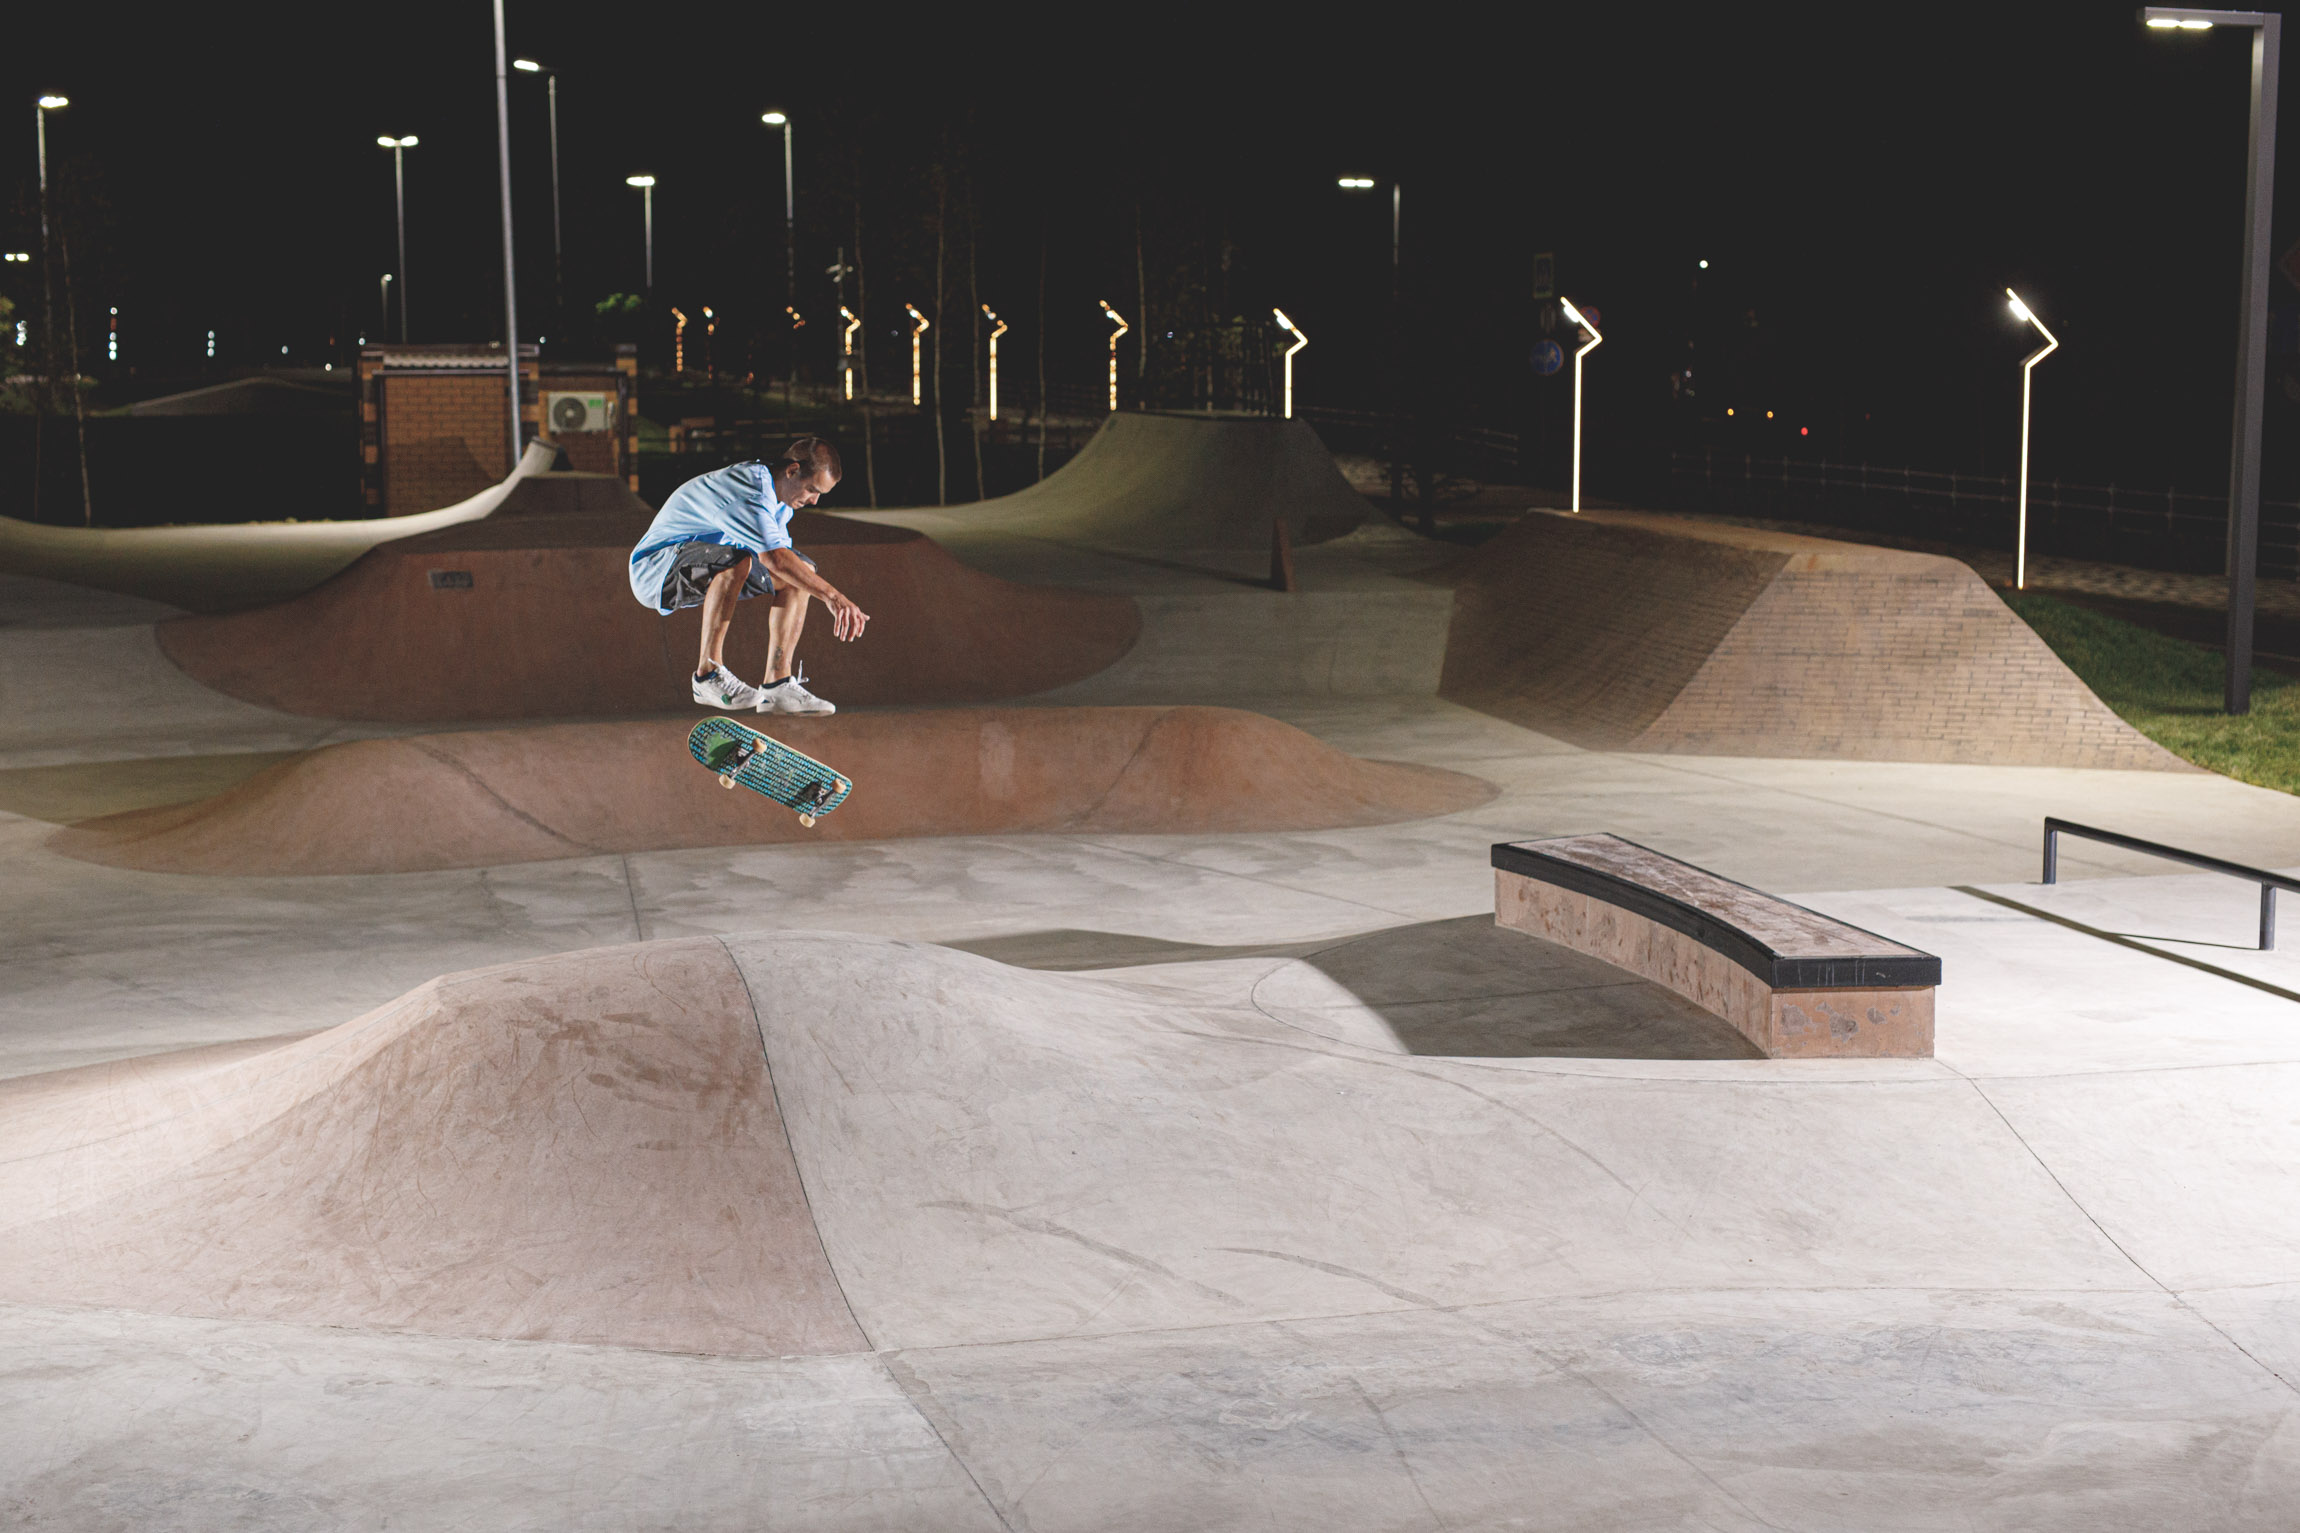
x=1548, y=357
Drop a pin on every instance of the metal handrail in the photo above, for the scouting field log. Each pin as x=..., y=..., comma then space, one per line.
x=2269, y=882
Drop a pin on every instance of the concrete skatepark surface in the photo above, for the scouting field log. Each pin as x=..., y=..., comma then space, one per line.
x=1623, y=630
x=543, y=625
x=491, y=797
x=1195, y=1180
x=217, y=568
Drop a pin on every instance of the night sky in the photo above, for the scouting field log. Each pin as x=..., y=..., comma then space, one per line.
x=1864, y=184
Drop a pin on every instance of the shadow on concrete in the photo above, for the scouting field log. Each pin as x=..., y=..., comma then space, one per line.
x=1463, y=988
x=1069, y=950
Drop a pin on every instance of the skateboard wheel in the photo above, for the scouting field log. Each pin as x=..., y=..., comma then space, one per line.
x=726, y=779
x=807, y=820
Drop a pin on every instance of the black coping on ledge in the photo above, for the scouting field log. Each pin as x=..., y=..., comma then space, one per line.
x=1902, y=970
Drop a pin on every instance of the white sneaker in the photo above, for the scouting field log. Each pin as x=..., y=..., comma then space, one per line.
x=723, y=689
x=792, y=696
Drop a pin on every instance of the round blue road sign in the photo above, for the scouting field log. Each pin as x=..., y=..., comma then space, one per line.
x=1548, y=357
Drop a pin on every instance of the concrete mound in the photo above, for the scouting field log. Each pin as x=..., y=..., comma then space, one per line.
x=502, y=796
x=584, y=1149
x=529, y=614
x=220, y=568
x=812, y=1142
x=1622, y=630
x=1179, y=482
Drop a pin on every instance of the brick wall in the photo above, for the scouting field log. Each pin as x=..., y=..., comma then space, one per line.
x=443, y=438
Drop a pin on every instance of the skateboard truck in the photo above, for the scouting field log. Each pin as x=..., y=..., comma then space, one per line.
x=731, y=762
x=813, y=799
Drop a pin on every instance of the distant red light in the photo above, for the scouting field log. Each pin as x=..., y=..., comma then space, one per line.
x=1804, y=431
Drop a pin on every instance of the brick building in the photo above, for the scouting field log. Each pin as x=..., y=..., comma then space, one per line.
x=432, y=419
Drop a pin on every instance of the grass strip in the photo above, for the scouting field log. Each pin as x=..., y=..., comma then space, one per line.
x=2170, y=691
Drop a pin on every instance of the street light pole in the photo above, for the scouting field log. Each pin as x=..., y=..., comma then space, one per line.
x=40, y=111
x=1595, y=341
x=2251, y=328
x=1397, y=334
x=510, y=267
x=646, y=185
x=399, y=148
x=558, y=264
x=2027, y=373
x=790, y=233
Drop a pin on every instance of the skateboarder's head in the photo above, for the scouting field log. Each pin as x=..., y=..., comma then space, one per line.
x=808, y=471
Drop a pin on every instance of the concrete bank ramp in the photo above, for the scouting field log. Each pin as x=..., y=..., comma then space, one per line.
x=610, y=1146
x=1625, y=630
x=530, y=614
x=1175, y=482
x=217, y=568
x=502, y=796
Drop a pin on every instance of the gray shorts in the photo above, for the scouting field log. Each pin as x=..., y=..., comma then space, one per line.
x=697, y=564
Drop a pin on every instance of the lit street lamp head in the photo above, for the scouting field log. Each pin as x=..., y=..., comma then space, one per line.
x=1355, y=183
x=773, y=119
x=530, y=66
x=54, y=103
x=638, y=180
x=2173, y=19
x=408, y=142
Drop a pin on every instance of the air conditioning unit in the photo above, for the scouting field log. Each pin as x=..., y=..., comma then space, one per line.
x=567, y=414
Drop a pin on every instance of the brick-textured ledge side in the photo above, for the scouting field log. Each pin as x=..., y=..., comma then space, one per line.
x=1842, y=1023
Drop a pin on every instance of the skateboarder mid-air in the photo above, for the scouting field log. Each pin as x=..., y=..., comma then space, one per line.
x=725, y=537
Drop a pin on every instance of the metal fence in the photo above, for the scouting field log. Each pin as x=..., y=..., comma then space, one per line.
x=2167, y=529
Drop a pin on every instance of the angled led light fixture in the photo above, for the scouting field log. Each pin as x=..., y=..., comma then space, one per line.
x=1595, y=341
x=994, y=335
x=1300, y=341
x=847, y=344
x=1117, y=320
x=917, y=329
x=2026, y=315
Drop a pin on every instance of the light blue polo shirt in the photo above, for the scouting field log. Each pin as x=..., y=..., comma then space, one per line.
x=736, y=505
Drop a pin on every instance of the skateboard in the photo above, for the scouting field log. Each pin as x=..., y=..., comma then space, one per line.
x=768, y=768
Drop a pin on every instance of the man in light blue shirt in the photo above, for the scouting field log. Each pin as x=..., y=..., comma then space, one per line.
x=725, y=537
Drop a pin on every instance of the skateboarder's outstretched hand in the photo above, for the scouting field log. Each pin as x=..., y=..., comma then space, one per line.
x=847, y=619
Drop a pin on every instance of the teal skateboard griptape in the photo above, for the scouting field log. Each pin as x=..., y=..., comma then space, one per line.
x=768, y=767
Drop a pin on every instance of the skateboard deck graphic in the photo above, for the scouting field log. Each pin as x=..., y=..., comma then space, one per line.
x=768, y=767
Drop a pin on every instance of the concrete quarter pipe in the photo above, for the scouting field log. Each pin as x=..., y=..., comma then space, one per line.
x=217, y=568
x=528, y=614
x=1183, y=482
x=1623, y=630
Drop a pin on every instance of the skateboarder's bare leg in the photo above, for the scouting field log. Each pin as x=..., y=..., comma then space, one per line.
x=786, y=620
x=719, y=598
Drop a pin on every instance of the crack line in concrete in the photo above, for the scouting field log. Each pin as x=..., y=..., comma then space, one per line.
x=2092, y=1219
